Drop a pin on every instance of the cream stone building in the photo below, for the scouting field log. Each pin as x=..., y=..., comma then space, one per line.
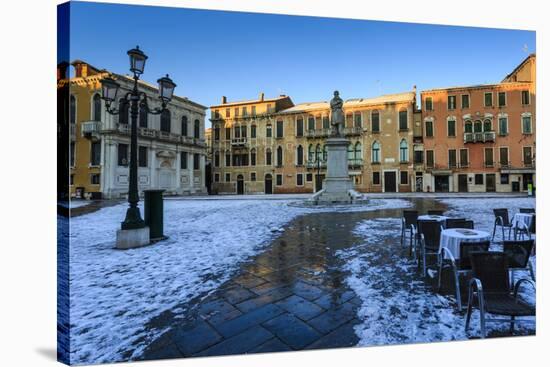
x=274, y=146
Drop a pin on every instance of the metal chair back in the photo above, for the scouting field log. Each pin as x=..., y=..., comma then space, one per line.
x=455, y=223
x=431, y=229
x=467, y=248
x=518, y=253
x=503, y=213
x=491, y=268
x=469, y=224
x=435, y=212
x=411, y=217
x=527, y=210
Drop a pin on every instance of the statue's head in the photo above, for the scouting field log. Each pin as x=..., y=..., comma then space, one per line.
x=336, y=93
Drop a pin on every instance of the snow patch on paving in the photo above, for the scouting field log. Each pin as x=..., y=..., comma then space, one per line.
x=114, y=293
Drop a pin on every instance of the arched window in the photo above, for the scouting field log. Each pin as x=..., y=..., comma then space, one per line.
x=184, y=126
x=165, y=118
x=310, y=153
x=403, y=151
x=358, y=153
x=279, y=156
x=477, y=126
x=325, y=152
x=268, y=156
x=300, y=155
x=253, y=131
x=268, y=132
x=253, y=157
x=143, y=117
x=350, y=152
x=124, y=108
x=72, y=110
x=318, y=152
x=376, y=152
x=468, y=128
x=216, y=159
x=197, y=129
x=487, y=125
x=96, y=108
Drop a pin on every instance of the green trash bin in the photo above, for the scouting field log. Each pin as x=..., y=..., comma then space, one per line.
x=154, y=214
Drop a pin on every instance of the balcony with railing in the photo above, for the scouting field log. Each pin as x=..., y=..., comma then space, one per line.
x=316, y=164
x=480, y=137
x=351, y=131
x=239, y=141
x=355, y=163
x=318, y=133
x=168, y=136
x=143, y=132
x=91, y=129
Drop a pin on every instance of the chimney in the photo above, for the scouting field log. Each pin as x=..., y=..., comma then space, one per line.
x=224, y=99
x=262, y=96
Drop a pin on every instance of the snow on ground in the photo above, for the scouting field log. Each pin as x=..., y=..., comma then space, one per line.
x=78, y=203
x=114, y=293
x=397, y=306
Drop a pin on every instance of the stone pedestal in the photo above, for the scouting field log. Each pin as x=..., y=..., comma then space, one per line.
x=337, y=184
x=132, y=238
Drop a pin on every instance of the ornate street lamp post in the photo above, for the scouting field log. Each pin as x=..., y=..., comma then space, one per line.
x=138, y=102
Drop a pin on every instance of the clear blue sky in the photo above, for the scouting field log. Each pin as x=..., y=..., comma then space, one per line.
x=213, y=53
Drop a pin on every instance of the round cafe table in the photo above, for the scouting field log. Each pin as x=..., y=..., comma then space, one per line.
x=451, y=239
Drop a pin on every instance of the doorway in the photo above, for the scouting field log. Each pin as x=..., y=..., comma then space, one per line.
x=268, y=184
x=390, y=181
x=240, y=185
x=490, y=182
x=441, y=183
x=527, y=179
x=419, y=182
x=462, y=183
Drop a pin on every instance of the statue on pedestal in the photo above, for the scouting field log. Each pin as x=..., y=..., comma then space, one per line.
x=337, y=115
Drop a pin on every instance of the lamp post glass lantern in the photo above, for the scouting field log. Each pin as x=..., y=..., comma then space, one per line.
x=138, y=104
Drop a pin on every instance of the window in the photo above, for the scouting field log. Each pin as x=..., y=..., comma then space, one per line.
x=268, y=132
x=95, y=154
x=311, y=123
x=501, y=99
x=300, y=179
x=228, y=177
x=525, y=97
x=142, y=156
x=503, y=126
x=279, y=128
x=253, y=110
x=252, y=176
x=299, y=127
x=236, y=114
x=465, y=101
x=478, y=179
x=326, y=122
x=279, y=180
x=245, y=112
x=376, y=152
x=403, y=120
x=418, y=156
x=527, y=156
x=358, y=121
x=216, y=159
x=468, y=127
x=94, y=178
x=253, y=157
x=488, y=99
x=71, y=179
x=375, y=122
x=165, y=121
x=227, y=112
x=217, y=133
x=310, y=153
x=269, y=109
x=196, y=161
x=489, y=157
x=143, y=116
x=183, y=160
x=526, y=125
x=216, y=177
x=350, y=152
x=243, y=131
x=197, y=129
x=429, y=103
x=504, y=179
x=96, y=108
x=478, y=127
x=253, y=131
x=237, y=132
x=300, y=156
x=430, y=158
x=487, y=125
x=357, y=152
x=452, y=158
x=463, y=157
x=124, y=108
x=123, y=154
x=376, y=178
x=429, y=128
x=451, y=128
x=227, y=133
x=404, y=178
x=403, y=151
x=503, y=153
x=227, y=159
x=268, y=157
x=451, y=102
x=279, y=156
x=72, y=110
x=349, y=120
x=71, y=154
x=309, y=177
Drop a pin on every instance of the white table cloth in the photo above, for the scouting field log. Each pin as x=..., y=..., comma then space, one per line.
x=451, y=238
x=522, y=220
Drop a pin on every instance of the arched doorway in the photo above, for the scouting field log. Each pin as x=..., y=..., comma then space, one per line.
x=268, y=184
x=240, y=185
